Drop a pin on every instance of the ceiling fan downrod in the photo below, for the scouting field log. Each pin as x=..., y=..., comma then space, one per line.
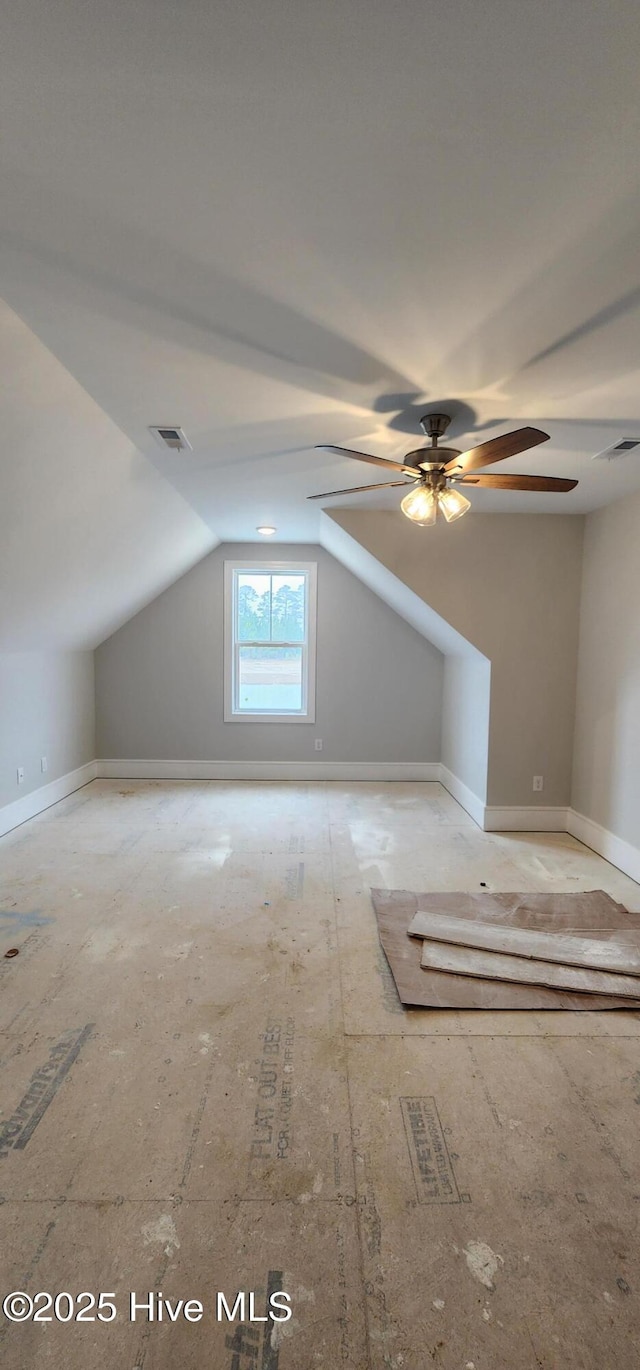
x=432, y=458
x=435, y=426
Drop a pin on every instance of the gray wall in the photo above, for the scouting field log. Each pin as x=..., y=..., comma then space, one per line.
x=46, y=709
x=465, y=719
x=606, y=776
x=159, y=679
x=467, y=673
x=510, y=585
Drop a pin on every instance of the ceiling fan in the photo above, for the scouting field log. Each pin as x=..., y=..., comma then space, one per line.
x=434, y=471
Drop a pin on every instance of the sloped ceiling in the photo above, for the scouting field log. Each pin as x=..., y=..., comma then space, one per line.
x=89, y=531
x=284, y=224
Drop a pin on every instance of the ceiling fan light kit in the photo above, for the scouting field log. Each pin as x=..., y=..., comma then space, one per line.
x=433, y=471
x=420, y=505
x=452, y=504
x=423, y=503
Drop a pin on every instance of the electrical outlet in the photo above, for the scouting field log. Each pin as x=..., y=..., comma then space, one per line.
x=20, y=774
x=538, y=782
x=318, y=744
x=43, y=765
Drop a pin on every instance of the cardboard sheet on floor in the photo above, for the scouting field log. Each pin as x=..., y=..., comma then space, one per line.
x=607, y=952
x=438, y=989
x=496, y=965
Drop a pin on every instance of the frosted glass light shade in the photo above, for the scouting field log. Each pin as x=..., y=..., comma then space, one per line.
x=420, y=505
x=453, y=504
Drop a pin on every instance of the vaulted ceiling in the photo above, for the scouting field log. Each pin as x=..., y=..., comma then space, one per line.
x=285, y=224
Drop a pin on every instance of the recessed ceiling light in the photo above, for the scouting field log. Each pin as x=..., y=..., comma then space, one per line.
x=266, y=531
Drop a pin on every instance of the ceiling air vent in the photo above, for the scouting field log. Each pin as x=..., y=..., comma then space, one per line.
x=618, y=449
x=173, y=438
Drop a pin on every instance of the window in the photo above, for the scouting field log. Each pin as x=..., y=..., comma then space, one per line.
x=270, y=629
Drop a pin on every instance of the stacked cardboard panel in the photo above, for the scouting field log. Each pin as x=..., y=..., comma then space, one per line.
x=511, y=951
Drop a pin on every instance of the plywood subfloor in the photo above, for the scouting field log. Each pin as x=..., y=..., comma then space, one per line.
x=207, y=1083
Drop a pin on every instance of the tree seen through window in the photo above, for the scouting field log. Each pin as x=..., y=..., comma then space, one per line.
x=270, y=633
x=271, y=608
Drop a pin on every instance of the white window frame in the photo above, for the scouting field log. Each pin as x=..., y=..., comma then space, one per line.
x=231, y=571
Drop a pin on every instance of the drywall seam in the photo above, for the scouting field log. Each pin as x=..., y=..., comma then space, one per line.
x=20, y=810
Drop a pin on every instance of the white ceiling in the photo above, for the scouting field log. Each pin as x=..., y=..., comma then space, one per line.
x=283, y=224
x=89, y=532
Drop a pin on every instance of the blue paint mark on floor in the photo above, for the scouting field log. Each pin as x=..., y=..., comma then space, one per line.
x=13, y=918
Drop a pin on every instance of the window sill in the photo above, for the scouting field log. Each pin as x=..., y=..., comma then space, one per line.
x=269, y=718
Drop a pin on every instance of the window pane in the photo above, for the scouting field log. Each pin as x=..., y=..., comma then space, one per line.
x=269, y=678
x=253, y=608
x=288, y=607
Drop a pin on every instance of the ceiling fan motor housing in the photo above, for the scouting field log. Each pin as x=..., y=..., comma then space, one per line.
x=431, y=458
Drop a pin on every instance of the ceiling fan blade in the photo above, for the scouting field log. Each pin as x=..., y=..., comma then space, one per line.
x=364, y=456
x=556, y=483
x=497, y=449
x=356, y=489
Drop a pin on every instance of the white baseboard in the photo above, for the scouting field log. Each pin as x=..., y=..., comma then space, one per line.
x=20, y=810
x=504, y=818
x=614, y=849
x=469, y=801
x=522, y=818
x=491, y=818
x=116, y=769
